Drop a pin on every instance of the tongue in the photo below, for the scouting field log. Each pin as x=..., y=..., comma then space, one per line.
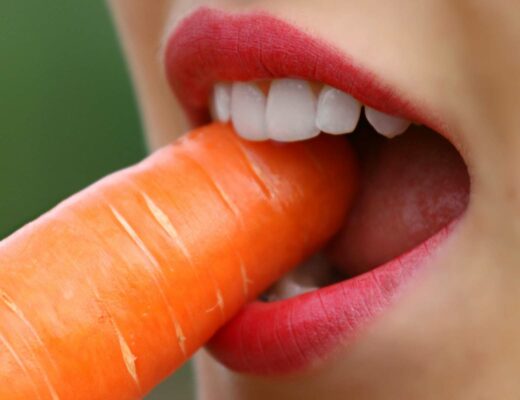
x=411, y=187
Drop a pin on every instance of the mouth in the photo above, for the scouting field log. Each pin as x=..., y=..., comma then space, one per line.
x=275, y=82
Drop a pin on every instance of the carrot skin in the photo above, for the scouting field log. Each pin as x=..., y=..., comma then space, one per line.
x=112, y=290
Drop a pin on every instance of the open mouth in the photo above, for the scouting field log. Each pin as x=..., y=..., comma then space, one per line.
x=274, y=82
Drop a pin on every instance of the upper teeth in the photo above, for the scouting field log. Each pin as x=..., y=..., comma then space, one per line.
x=248, y=111
x=221, y=106
x=293, y=110
x=387, y=125
x=338, y=112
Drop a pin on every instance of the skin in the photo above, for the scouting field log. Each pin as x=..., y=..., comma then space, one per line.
x=453, y=334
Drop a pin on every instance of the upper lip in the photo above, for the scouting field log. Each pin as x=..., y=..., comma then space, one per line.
x=209, y=46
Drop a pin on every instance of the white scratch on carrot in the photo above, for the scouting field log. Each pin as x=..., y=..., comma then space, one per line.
x=227, y=200
x=245, y=279
x=16, y=310
x=128, y=357
x=20, y=363
x=220, y=300
x=219, y=304
x=158, y=271
x=212, y=179
x=257, y=172
x=181, y=339
x=165, y=222
x=135, y=237
x=211, y=309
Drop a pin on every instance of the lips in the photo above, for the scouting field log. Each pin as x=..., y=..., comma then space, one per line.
x=414, y=188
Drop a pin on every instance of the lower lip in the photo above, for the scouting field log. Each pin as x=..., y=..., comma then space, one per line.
x=291, y=335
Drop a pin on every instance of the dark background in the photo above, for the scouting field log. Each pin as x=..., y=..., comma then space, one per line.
x=67, y=114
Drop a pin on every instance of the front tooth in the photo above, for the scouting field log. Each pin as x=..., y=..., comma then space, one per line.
x=338, y=112
x=221, y=102
x=248, y=111
x=385, y=124
x=286, y=289
x=312, y=274
x=291, y=111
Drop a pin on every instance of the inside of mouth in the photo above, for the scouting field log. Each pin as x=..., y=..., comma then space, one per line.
x=412, y=186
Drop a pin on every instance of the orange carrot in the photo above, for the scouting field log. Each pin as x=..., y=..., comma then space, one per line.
x=108, y=293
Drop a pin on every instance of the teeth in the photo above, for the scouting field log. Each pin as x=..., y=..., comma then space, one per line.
x=248, y=111
x=221, y=102
x=291, y=111
x=387, y=125
x=310, y=275
x=287, y=288
x=338, y=112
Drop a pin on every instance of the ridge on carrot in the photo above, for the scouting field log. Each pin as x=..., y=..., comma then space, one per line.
x=112, y=290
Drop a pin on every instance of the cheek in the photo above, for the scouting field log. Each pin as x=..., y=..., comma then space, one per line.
x=142, y=27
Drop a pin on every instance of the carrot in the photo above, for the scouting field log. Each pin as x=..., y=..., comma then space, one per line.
x=112, y=290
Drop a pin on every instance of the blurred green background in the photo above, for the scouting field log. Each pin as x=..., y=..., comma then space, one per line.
x=67, y=114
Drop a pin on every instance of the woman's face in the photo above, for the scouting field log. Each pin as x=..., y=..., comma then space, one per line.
x=452, y=65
